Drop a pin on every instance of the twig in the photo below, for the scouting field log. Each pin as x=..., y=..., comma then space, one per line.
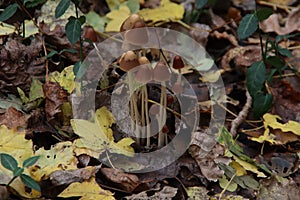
x=242, y=115
x=227, y=185
x=47, y=61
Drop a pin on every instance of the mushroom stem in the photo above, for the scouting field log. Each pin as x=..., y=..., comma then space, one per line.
x=148, y=133
x=162, y=114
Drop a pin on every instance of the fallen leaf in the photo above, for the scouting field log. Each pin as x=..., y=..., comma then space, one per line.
x=166, y=193
x=272, y=121
x=167, y=11
x=224, y=183
x=116, y=18
x=87, y=190
x=97, y=137
x=64, y=78
x=59, y=157
x=292, y=24
x=15, y=144
x=125, y=181
x=197, y=193
x=13, y=118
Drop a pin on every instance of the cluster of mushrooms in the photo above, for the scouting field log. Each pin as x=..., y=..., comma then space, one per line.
x=140, y=70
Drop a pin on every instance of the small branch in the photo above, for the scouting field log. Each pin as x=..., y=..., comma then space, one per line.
x=47, y=61
x=242, y=115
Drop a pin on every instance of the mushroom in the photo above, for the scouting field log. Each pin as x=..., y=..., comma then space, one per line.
x=143, y=75
x=161, y=73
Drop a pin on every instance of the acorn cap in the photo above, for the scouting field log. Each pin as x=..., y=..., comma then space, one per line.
x=161, y=72
x=128, y=61
x=144, y=73
x=178, y=62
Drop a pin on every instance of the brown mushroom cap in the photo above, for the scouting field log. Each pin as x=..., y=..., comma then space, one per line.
x=130, y=22
x=178, y=62
x=161, y=72
x=128, y=61
x=177, y=88
x=154, y=109
x=144, y=73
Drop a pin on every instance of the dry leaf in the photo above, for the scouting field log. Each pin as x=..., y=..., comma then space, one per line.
x=64, y=78
x=88, y=190
x=13, y=118
x=167, y=193
x=167, y=11
x=272, y=24
x=127, y=182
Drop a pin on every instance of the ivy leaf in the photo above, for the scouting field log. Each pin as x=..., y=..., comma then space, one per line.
x=284, y=51
x=276, y=62
x=29, y=182
x=261, y=104
x=73, y=30
x=263, y=13
x=255, y=77
x=18, y=171
x=248, y=26
x=30, y=161
x=62, y=7
x=8, y=161
x=8, y=12
x=200, y=3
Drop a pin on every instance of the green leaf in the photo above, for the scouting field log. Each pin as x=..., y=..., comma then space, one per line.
x=30, y=161
x=133, y=5
x=29, y=182
x=284, y=51
x=248, y=26
x=33, y=3
x=276, y=62
x=68, y=50
x=52, y=53
x=8, y=161
x=82, y=20
x=96, y=21
x=255, y=77
x=73, y=30
x=18, y=171
x=263, y=13
x=62, y=7
x=284, y=37
x=8, y=12
x=200, y=3
x=36, y=90
x=261, y=104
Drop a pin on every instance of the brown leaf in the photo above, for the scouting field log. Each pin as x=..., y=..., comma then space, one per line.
x=3, y=192
x=241, y=57
x=166, y=193
x=55, y=96
x=272, y=24
x=207, y=155
x=224, y=35
x=127, y=182
x=12, y=118
x=200, y=33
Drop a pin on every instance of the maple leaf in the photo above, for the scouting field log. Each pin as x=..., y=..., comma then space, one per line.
x=97, y=137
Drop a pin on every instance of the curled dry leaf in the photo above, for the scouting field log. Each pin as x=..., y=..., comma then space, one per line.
x=207, y=155
x=200, y=33
x=224, y=35
x=272, y=24
x=241, y=56
x=127, y=182
x=166, y=193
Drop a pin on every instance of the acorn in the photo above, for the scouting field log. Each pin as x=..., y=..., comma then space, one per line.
x=128, y=61
x=161, y=72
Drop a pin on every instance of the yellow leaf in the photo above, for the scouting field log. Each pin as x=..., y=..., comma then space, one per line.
x=266, y=137
x=249, y=167
x=97, y=137
x=167, y=11
x=291, y=126
x=240, y=171
x=88, y=190
x=117, y=17
x=64, y=78
x=15, y=144
x=59, y=157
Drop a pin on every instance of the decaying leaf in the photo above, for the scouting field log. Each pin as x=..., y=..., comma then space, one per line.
x=64, y=78
x=225, y=184
x=278, y=188
x=167, y=11
x=13, y=118
x=125, y=181
x=197, y=193
x=272, y=24
x=59, y=157
x=15, y=144
x=207, y=155
x=97, y=137
x=87, y=190
x=166, y=193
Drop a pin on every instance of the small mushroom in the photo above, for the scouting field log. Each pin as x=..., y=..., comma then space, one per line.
x=128, y=61
x=161, y=72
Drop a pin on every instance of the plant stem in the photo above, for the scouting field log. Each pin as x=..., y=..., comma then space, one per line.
x=8, y=184
x=80, y=40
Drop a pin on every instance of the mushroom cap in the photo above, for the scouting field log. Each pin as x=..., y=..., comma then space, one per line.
x=128, y=61
x=130, y=22
x=177, y=88
x=154, y=109
x=144, y=60
x=161, y=72
x=178, y=62
x=144, y=73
